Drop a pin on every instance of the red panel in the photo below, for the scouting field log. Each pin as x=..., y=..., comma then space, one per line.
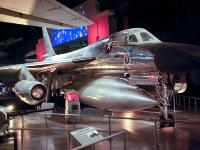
x=72, y=96
x=40, y=50
x=98, y=30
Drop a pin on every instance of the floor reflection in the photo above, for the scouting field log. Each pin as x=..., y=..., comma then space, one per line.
x=139, y=134
x=128, y=124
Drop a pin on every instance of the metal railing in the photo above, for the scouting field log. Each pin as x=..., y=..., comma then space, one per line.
x=117, y=133
x=186, y=102
x=109, y=130
x=155, y=120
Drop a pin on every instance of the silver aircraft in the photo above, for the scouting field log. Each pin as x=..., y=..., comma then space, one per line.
x=128, y=70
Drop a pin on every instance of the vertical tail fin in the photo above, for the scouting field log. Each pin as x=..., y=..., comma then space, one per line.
x=49, y=49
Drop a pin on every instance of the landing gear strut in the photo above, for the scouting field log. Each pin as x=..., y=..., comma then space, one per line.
x=166, y=119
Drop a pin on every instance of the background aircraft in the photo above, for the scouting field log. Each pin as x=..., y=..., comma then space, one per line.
x=48, y=13
x=7, y=113
x=3, y=90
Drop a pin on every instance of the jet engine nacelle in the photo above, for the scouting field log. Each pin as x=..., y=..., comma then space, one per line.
x=31, y=92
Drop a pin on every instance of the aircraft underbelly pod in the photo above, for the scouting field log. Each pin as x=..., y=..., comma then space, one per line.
x=115, y=94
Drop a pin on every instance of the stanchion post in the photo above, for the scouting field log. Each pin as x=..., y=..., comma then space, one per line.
x=124, y=141
x=15, y=141
x=109, y=125
x=68, y=140
x=22, y=133
x=174, y=103
x=22, y=117
x=22, y=139
x=110, y=140
x=73, y=123
x=46, y=125
x=189, y=103
x=156, y=134
x=195, y=104
x=176, y=98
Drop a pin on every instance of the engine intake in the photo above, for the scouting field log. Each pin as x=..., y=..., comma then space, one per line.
x=31, y=92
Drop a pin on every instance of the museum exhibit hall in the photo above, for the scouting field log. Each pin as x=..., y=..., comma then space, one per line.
x=99, y=75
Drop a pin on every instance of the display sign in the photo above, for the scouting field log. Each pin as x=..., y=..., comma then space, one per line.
x=87, y=135
x=47, y=106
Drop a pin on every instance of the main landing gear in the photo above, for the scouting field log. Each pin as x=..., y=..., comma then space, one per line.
x=166, y=122
x=166, y=119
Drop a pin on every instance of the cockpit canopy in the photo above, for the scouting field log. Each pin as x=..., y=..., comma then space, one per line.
x=135, y=36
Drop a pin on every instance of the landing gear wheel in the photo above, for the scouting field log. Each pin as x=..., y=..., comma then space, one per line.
x=161, y=121
x=166, y=123
x=171, y=120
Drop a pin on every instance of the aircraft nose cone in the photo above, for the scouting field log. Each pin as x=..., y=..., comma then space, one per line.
x=136, y=99
x=115, y=94
x=177, y=57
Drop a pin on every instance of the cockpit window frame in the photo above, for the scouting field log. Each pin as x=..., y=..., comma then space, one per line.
x=137, y=37
x=152, y=38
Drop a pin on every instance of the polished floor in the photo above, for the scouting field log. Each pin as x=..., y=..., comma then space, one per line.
x=140, y=135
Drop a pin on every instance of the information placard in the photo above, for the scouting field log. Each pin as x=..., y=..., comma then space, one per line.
x=87, y=135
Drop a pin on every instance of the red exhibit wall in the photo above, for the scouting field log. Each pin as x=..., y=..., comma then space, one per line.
x=40, y=50
x=98, y=30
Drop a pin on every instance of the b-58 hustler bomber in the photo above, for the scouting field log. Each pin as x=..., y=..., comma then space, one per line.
x=116, y=73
